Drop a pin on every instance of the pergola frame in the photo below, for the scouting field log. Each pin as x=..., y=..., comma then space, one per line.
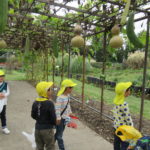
x=104, y=19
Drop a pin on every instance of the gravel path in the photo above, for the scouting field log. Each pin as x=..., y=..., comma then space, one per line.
x=19, y=120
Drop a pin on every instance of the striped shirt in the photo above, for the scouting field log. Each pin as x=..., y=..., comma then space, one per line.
x=121, y=115
x=61, y=103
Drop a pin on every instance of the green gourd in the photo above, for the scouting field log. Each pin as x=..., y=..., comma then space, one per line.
x=125, y=13
x=3, y=14
x=27, y=44
x=55, y=46
x=131, y=34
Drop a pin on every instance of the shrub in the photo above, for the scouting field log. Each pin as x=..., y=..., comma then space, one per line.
x=97, y=64
x=2, y=59
x=66, y=59
x=135, y=60
x=76, y=65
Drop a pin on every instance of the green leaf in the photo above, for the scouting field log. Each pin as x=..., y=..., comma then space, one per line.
x=3, y=14
x=11, y=11
x=30, y=1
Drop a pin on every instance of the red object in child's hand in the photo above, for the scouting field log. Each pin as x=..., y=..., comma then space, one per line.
x=72, y=124
x=73, y=117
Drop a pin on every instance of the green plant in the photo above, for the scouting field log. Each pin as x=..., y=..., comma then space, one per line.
x=65, y=59
x=125, y=13
x=96, y=64
x=115, y=79
x=77, y=65
x=131, y=34
x=3, y=14
x=2, y=59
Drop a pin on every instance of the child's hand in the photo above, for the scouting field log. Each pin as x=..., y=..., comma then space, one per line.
x=71, y=114
x=2, y=96
x=58, y=122
x=130, y=148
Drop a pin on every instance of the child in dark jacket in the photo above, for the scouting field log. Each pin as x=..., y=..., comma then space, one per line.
x=43, y=111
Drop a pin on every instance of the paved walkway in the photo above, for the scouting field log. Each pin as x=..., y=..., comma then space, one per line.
x=19, y=120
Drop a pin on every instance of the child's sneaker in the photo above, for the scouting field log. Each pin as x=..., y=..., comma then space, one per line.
x=5, y=131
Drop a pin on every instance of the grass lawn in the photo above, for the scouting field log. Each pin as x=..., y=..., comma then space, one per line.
x=15, y=75
x=133, y=75
x=92, y=92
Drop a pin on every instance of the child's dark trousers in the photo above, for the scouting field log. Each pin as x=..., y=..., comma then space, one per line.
x=120, y=145
x=3, y=117
x=44, y=139
x=59, y=134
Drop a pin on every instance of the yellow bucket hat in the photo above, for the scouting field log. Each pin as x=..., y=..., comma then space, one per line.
x=125, y=133
x=42, y=88
x=65, y=83
x=2, y=73
x=120, y=90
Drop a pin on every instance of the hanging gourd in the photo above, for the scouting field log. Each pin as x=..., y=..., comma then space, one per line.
x=115, y=30
x=78, y=29
x=3, y=44
x=55, y=46
x=3, y=14
x=116, y=41
x=131, y=34
x=27, y=44
x=78, y=40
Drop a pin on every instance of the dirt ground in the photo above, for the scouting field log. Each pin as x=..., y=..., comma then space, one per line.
x=102, y=125
x=19, y=120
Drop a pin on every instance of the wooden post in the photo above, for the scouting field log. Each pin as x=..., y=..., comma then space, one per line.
x=103, y=71
x=53, y=65
x=62, y=47
x=32, y=66
x=144, y=75
x=83, y=71
x=69, y=50
x=47, y=64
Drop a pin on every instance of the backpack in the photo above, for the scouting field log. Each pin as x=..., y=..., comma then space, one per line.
x=143, y=143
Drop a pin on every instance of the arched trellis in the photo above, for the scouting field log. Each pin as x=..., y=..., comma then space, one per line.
x=85, y=14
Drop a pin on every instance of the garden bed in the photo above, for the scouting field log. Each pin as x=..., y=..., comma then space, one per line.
x=102, y=125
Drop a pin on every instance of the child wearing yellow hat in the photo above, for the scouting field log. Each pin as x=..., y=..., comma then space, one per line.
x=43, y=111
x=129, y=134
x=63, y=110
x=4, y=92
x=121, y=112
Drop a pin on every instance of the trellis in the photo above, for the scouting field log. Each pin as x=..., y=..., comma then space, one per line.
x=104, y=19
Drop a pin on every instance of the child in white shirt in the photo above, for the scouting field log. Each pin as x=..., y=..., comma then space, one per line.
x=4, y=92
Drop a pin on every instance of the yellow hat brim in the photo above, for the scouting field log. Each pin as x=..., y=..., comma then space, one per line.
x=62, y=89
x=49, y=84
x=2, y=73
x=43, y=87
x=128, y=84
